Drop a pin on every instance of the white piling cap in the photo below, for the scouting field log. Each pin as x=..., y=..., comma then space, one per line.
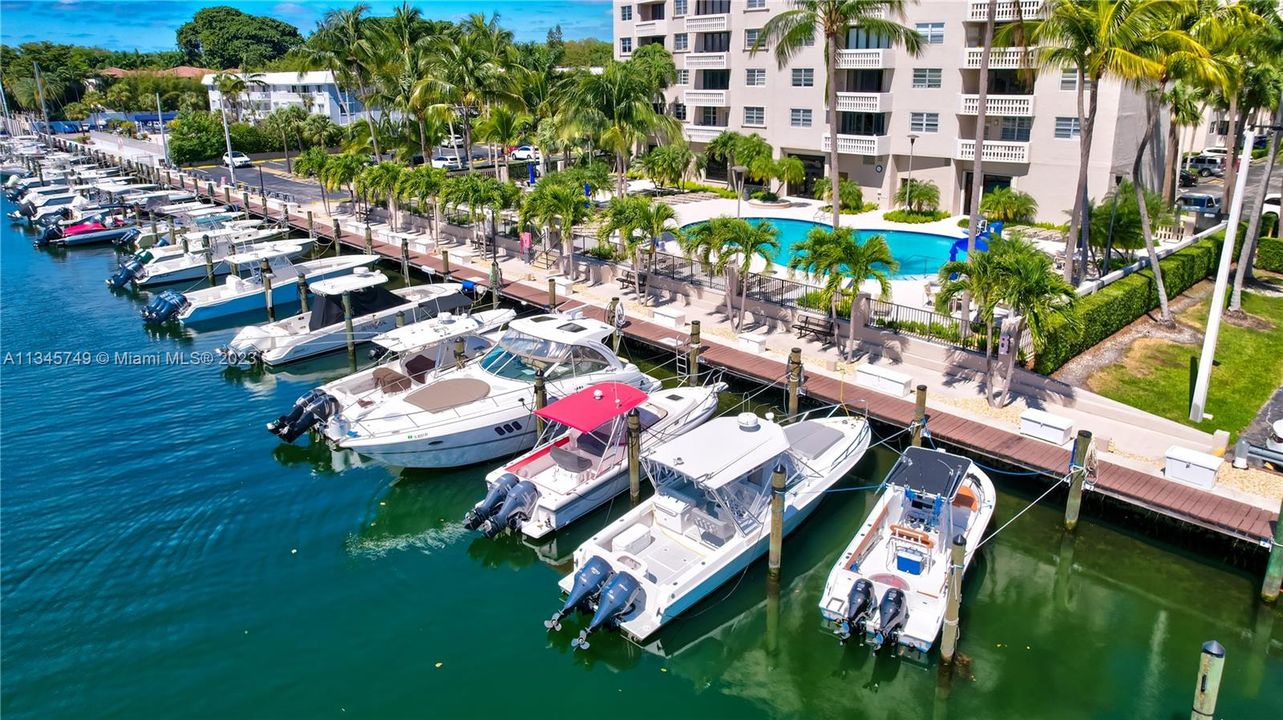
x=747, y=421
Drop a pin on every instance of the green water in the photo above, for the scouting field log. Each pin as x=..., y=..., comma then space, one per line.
x=163, y=556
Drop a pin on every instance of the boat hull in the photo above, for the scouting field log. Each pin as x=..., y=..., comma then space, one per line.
x=283, y=294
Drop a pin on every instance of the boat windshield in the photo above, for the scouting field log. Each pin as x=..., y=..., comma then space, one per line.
x=611, y=432
x=519, y=356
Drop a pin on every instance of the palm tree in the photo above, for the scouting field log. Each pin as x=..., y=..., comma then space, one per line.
x=342, y=170
x=1037, y=297
x=795, y=29
x=839, y=256
x=919, y=196
x=504, y=127
x=1185, y=110
x=466, y=72
x=342, y=44
x=850, y=195
x=640, y=222
x=729, y=246
x=554, y=200
x=381, y=181
x=979, y=277
x=231, y=86
x=423, y=185
x=1008, y=205
x=311, y=163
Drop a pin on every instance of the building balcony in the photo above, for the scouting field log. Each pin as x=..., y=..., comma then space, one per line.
x=702, y=133
x=978, y=10
x=1000, y=58
x=708, y=23
x=995, y=151
x=865, y=59
x=864, y=102
x=860, y=144
x=706, y=61
x=999, y=105
x=705, y=98
x=650, y=27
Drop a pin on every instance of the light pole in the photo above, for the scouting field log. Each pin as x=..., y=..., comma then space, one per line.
x=737, y=175
x=227, y=138
x=160, y=120
x=908, y=185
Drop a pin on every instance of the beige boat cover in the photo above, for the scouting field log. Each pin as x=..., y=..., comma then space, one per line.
x=448, y=394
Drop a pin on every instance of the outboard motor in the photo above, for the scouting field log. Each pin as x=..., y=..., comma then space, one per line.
x=165, y=307
x=130, y=270
x=618, y=599
x=490, y=503
x=589, y=581
x=859, y=606
x=315, y=407
x=517, y=508
x=892, y=615
x=48, y=234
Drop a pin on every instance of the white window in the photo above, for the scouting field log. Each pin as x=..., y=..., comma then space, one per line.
x=755, y=77
x=750, y=37
x=708, y=116
x=800, y=117
x=679, y=111
x=932, y=33
x=1067, y=128
x=924, y=122
x=1069, y=79
x=803, y=77
x=683, y=77
x=679, y=7
x=625, y=45
x=625, y=12
x=755, y=116
x=926, y=77
x=681, y=41
x=755, y=5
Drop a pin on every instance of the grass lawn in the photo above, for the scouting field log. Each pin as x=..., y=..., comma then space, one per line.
x=1155, y=374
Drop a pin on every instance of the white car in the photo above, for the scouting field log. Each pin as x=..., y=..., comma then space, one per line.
x=1271, y=204
x=526, y=153
x=1219, y=151
x=237, y=160
x=449, y=163
x=454, y=140
x=1275, y=440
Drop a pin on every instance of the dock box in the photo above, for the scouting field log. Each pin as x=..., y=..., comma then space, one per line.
x=633, y=540
x=753, y=342
x=1192, y=467
x=671, y=317
x=883, y=380
x=1042, y=425
x=565, y=286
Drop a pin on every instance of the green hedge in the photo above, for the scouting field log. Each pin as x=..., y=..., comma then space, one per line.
x=1269, y=254
x=908, y=216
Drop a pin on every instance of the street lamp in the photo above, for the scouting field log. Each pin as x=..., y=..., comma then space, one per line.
x=908, y=186
x=737, y=176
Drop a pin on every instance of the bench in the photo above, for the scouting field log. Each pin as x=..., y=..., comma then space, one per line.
x=883, y=380
x=822, y=328
x=672, y=317
x=1043, y=425
x=1191, y=467
x=628, y=279
x=753, y=342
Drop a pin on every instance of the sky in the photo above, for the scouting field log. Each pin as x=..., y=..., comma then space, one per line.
x=150, y=25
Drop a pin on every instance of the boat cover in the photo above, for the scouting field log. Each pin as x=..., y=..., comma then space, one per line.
x=329, y=308
x=586, y=410
x=450, y=393
x=930, y=472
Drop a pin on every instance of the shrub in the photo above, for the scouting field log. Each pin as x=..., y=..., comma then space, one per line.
x=765, y=196
x=922, y=196
x=1008, y=205
x=906, y=216
x=1269, y=254
x=609, y=253
x=719, y=191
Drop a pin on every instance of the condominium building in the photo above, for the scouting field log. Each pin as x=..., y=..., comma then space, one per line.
x=315, y=92
x=898, y=114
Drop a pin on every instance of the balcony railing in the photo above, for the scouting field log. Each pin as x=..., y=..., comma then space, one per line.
x=978, y=10
x=999, y=105
x=865, y=59
x=705, y=98
x=708, y=23
x=1001, y=58
x=706, y=61
x=995, y=151
x=703, y=133
x=650, y=27
x=860, y=144
x=864, y=102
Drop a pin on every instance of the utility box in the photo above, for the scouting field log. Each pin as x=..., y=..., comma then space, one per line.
x=1192, y=467
x=883, y=380
x=1040, y=424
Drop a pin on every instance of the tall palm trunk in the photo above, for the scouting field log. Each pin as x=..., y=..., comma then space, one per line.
x=423, y=142
x=1232, y=142
x=568, y=249
x=1016, y=336
x=831, y=71
x=1171, y=170
x=989, y=397
x=1086, y=124
x=369, y=116
x=1164, y=314
x=1247, y=254
x=978, y=164
x=743, y=292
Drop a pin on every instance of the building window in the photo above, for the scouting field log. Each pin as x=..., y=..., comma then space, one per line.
x=681, y=41
x=683, y=77
x=1016, y=129
x=932, y=33
x=750, y=37
x=625, y=12
x=625, y=45
x=924, y=122
x=679, y=111
x=755, y=77
x=1067, y=128
x=679, y=7
x=926, y=77
x=708, y=116
x=803, y=77
x=800, y=117
x=1069, y=79
x=755, y=116
x=755, y=5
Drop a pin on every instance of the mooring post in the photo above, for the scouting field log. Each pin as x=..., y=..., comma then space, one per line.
x=311, y=230
x=227, y=194
x=919, y=415
x=460, y=357
x=209, y=258
x=400, y=318
x=209, y=190
x=173, y=234
x=1077, y=475
x=692, y=355
x=266, y=274
x=794, y=381
x=369, y=240
x=154, y=236
x=445, y=263
x=611, y=313
x=634, y=456
x=245, y=200
x=1274, y=570
x=541, y=399
x=348, y=334
x=777, y=524
x=338, y=238
x=1210, y=664
x=949, y=640
x=496, y=282
x=302, y=293
x=138, y=214
x=552, y=294
x=405, y=261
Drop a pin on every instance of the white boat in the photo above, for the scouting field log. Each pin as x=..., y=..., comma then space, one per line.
x=152, y=267
x=483, y=411
x=322, y=328
x=566, y=477
x=242, y=291
x=420, y=351
x=708, y=519
x=889, y=585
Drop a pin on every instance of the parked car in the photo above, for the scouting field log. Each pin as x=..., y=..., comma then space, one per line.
x=1275, y=440
x=449, y=163
x=453, y=141
x=1199, y=203
x=1187, y=179
x=526, y=153
x=237, y=159
x=1206, y=165
x=1219, y=151
x=1271, y=205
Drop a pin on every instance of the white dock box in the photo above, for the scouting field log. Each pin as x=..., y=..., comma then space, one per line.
x=671, y=317
x=1042, y=425
x=633, y=540
x=1192, y=467
x=883, y=380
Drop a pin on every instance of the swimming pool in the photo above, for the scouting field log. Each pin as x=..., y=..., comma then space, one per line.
x=919, y=253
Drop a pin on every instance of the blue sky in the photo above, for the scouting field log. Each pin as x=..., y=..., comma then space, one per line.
x=151, y=24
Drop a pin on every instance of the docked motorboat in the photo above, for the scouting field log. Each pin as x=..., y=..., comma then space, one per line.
x=708, y=519
x=107, y=228
x=169, y=264
x=243, y=290
x=323, y=329
x=483, y=411
x=568, y=475
x=888, y=588
x=419, y=352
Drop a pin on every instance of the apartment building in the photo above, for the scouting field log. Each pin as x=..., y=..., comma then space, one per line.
x=897, y=113
x=315, y=92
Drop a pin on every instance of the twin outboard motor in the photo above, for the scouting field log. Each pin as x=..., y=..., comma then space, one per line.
x=130, y=270
x=165, y=307
x=48, y=234
x=618, y=599
x=315, y=407
x=589, y=581
x=892, y=615
x=860, y=603
x=491, y=503
x=517, y=508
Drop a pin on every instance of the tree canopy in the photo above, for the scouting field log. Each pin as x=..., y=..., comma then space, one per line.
x=223, y=37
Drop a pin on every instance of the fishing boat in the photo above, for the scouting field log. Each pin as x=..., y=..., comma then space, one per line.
x=483, y=411
x=566, y=477
x=108, y=227
x=419, y=352
x=374, y=310
x=169, y=264
x=708, y=519
x=243, y=290
x=888, y=588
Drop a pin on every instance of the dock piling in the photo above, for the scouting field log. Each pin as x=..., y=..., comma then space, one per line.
x=496, y=282
x=348, y=334
x=949, y=638
x=209, y=258
x=919, y=415
x=311, y=229
x=266, y=274
x=405, y=261
x=227, y=194
x=1274, y=570
x=154, y=237
x=460, y=357
x=541, y=399
x=634, y=456
x=302, y=293
x=400, y=318
x=245, y=200
x=338, y=238
x=369, y=240
x=692, y=355
x=611, y=312
x=794, y=372
x=445, y=263
x=777, y=524
x=552, y=294
x=1077, y=475
x=1211, y=662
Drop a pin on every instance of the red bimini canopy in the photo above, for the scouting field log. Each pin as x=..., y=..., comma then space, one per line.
x=587, y=409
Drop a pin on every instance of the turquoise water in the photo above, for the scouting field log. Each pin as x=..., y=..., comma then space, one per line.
x=164, y=556
x=918, y=253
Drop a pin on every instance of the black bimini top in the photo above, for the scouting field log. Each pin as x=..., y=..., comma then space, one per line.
x=929, y=472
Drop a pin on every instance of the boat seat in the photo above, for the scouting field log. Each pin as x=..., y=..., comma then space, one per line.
x=419, y=366
x=966, y=498
x=901, y=532
x=810, y=439
x=448, y=394
x=568, y=460
x=390, y=381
